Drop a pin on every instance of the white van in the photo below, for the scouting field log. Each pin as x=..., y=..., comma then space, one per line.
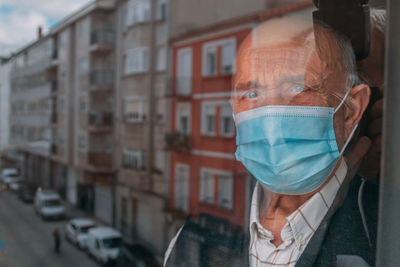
x=48, y=204
x=103, y=243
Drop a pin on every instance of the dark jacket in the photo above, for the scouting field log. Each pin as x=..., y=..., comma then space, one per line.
x=341, y=239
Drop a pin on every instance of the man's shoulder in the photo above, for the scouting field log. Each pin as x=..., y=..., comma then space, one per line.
x=351, y=231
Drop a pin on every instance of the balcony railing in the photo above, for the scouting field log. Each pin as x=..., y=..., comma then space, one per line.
x=99, y=159
x=102, y=37
x=101, y=77
x=104, y=118
x=177, y=141
x=134, y=117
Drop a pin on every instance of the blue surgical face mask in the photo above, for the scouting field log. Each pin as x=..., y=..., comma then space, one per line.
x=288, y=149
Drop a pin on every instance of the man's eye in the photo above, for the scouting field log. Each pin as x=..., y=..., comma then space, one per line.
x=298, y=89
x=251, y=94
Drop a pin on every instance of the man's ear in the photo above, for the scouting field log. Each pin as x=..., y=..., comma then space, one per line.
x=359, y=98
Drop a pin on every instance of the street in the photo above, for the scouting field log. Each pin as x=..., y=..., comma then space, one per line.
x=28, y=239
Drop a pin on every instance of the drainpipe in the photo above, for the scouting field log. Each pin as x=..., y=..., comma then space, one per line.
x=152, y=120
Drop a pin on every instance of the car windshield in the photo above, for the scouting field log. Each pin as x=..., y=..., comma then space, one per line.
x=52, y=203
x=85, y=229
x=114, y=242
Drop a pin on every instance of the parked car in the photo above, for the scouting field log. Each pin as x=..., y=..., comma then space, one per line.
x=11, y=180
x=135, y=255
x=103, y=244
x=16, y=185
x=48, y=204
x=9, y=172
x=76, y=231
x=26, y=194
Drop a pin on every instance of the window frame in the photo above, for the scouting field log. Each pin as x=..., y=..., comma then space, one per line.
x=217, y=48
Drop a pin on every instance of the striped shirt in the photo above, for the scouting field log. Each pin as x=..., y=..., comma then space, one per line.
x=297, y=231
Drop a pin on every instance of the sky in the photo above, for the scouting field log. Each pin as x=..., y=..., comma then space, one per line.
x=19, y=20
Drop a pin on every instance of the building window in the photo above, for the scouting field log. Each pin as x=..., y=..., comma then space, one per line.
x=207, y=182
x=83, y=66
x=183, y=117
x=161, y=59
x=83, y=28
x=161, y=9
x=132, y=159
x=182, y=176
x=223, y=51
x=225, y=191
x=210, y=61
x=160, y=161
x=82, y=142
x=208, y=118
x=138, y=12
x=137, y=60
x=134, y=110
x=211, y=179
x=226, y=121
x=184, y=79
x=83, y=105
x=215, y=113
x=64, y=38
x=228, y=57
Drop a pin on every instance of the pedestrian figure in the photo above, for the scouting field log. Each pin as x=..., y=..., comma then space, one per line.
x=57, y=240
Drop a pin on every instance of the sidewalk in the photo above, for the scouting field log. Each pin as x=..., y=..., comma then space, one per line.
x=73, y=212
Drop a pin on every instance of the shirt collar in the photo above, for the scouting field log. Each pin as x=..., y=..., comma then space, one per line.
x=304, y=221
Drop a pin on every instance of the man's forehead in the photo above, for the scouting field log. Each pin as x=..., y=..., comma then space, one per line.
x=278, y=31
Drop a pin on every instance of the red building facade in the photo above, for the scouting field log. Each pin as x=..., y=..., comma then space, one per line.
x=205, y=177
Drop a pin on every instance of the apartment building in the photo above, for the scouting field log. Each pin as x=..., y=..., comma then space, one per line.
x=207, y=182
x=83, y=123
x=32, y=84
x=62, y=108
x=5, y=72
x=141, y=121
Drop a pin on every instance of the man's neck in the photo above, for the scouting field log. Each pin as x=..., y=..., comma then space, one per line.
x=275, y=208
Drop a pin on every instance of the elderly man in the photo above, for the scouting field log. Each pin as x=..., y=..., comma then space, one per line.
x=296, y=107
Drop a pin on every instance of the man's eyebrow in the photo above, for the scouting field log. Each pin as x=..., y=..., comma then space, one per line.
x=248, y=85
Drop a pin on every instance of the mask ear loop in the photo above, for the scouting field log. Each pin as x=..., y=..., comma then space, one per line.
x=355, y=127
x=342, y=102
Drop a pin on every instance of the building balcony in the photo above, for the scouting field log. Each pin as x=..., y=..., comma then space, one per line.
x=100, y=160
x=178, y=142
x=100, y=120
x=102, y=40
x=101, y=79
x=134, y=117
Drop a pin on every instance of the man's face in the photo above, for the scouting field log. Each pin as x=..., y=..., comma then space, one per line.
x=289, y=72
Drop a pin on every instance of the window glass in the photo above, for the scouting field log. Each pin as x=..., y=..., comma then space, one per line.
x=137, y=60
x=184, y=76
x=182, y=176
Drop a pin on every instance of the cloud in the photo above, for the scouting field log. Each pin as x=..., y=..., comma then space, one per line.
x=19, y=19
